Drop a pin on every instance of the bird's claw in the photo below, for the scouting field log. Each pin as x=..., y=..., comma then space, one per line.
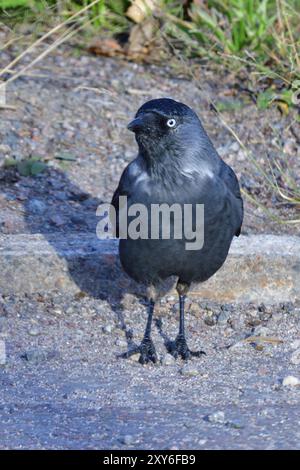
x=179, y=347
x=146, y=350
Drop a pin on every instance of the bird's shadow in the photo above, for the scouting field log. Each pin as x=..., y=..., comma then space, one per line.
x=56, y=207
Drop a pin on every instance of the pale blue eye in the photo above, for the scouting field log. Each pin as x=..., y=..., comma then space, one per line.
x=171, y=123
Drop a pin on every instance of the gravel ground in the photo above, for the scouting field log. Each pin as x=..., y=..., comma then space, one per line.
x=62, y=386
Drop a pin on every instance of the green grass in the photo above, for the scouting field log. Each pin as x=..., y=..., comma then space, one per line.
x=265, y=33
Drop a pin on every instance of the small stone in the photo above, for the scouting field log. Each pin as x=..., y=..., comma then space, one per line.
x=167, y=360
x=36, y=356
x=188, y=370
x=122, y=343
x=58, y=311
x=5, y=149
x=224, y=317
x=36, y=206
x=195, y=309
x=290, y=147
x=218, y=417
x=295, y=357
x=234, y=147
x=135, y=357
x=128, y=440
x=107, y=328
x=261, y=331
x=210, y=320
x=34, y=331
x=295, y=344
x=77, y=220
x=290, y=381
x=2, y=353
x=57, y=220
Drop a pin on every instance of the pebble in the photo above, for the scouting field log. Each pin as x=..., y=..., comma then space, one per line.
x=122, y=343
x=77, y=220
x=224, y=317
x=188, y=370
x=36, y=355
x=235, y=147
x=290, y=381
x=36, y=206
x=2, y=353
x=135, y=357
x=290, y=147
x=261, y=331
x=128, y=440
x=58, y=311
x=57, y=220
x=107, y=328
x=34, y=331
x=202, y=442
x=218, y=417
x=210, y=319
x=295, y=357
x=295, y=344
x=5, y=149
x=167, y=360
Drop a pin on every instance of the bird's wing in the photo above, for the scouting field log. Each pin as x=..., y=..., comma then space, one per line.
x=229, y=177
x=124, y=189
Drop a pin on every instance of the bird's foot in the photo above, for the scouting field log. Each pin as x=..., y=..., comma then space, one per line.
x=146, y=350
x=179, y=347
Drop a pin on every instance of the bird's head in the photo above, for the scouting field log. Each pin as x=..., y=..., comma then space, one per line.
x=164, y=126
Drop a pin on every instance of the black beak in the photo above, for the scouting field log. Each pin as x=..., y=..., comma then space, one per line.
x=136, y=125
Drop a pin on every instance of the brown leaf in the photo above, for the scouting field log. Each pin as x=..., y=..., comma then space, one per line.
x=141, y=37
x=107, y=47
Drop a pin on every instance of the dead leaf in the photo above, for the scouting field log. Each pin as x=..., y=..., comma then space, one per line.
x=143, y=45
x=107, y=47
x=141, y=37
x=283, y=107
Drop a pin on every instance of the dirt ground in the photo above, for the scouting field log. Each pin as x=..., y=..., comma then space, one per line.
x=72, y=112
x=62, y=384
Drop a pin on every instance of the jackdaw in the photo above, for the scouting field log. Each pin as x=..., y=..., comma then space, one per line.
x=176, y=164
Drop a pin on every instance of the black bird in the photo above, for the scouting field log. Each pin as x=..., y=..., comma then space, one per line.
x=176, y=164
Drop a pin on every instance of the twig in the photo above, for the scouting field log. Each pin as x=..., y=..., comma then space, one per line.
x=8, y=106
x=45, y=36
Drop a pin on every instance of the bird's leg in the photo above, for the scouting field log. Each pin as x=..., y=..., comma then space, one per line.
x=179, y=347
x=146, y=348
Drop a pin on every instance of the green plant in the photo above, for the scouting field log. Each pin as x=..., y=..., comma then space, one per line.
x=235, y=24
x=6, y=4
x=28, y=166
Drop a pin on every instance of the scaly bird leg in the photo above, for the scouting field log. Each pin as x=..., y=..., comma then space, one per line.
x=146, y=348
x=179, y=347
